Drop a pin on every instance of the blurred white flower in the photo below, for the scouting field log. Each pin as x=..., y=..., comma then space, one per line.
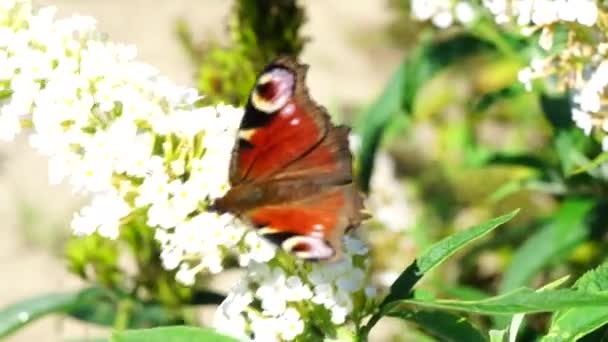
x=388, y=199
x=102, y=215
x=443, y=13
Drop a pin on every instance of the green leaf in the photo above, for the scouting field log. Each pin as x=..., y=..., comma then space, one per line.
x=442, y=325
x=170, y=334
x=595, y=163
x=374, y=121
x=574, y=323
x=450, y=245
x=518, y=319
x=437, y=253
x=557, y=110
x=565, y=231
x=141, y=315
x=102, y=307
x=489, y=99
x=402, y=287
x=19, y=314
x=523, y=300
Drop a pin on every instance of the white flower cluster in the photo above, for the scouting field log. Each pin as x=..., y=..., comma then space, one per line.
x=581, y=66
x=120, y=132
x=443, y=13
x=278, y=301
x=542, y=12
x=149, y=157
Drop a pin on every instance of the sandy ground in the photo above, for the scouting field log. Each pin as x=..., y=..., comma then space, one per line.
x=349, y=65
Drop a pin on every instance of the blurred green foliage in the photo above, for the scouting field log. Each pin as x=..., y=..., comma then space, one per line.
x=259, y=32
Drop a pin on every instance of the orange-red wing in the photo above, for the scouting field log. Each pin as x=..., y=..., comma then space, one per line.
x=312, y=227
x=285, y=136
x=330, y=160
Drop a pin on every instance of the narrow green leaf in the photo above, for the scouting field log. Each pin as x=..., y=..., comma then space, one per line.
x=103, y=312
x=595, y=163
x=170, y=334
x=19, y=314
x=402, y=287
x=518, y=319
x=489, y=99
x=522, y=300
x=450, y=245
x=437, y=253
x=442, y=325
x=574, y=323
x=374, y=120
x=103, y=305
x=566, y=229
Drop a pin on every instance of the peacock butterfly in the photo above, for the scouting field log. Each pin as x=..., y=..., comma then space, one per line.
x=291, y=168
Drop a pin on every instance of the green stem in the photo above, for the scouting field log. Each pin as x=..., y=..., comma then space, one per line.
x=123, y=315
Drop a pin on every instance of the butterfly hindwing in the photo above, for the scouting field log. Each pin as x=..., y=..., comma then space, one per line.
x=313, y=226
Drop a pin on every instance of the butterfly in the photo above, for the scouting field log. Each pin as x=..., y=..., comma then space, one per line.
x=291, y=168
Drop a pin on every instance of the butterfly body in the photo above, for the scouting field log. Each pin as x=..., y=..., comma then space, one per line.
x=291, y=168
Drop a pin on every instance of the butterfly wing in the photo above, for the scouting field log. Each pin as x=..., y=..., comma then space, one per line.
x=280, y=125
x=291, y=172
x=311, y=227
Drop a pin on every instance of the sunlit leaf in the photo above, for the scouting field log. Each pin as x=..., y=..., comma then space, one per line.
x=574, y=323
x=523, y=300
x=518, y=319
x=170, y=334
x=438, y=252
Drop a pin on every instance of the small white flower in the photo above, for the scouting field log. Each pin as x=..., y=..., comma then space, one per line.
x=165, y=215
x=102, y=215
x=464, y=12
x=296, y=290
x=265, y=329
x=258, y=249
x=324, y=295
x=354, y=246
x=291, y=324
x=586, y=12
x=443, y=19
x=155, y=189
x=582, y=120
x=338, y=314
x=186, y=275
x=351, y=281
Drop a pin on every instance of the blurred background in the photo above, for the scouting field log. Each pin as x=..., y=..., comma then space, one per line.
x=351, y=58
